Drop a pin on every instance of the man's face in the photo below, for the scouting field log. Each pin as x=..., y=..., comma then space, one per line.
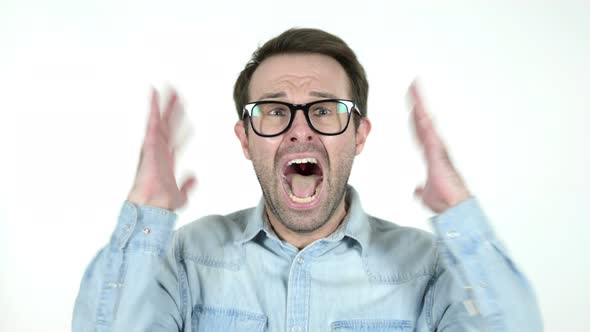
x=303, y=174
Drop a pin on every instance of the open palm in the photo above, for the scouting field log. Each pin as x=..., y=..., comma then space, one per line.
x=444, y=186
x=155, y=181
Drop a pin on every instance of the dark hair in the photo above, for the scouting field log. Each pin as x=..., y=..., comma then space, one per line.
x=306, y=41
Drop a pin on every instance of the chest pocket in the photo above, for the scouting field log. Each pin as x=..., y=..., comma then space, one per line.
x=372, y=325
x=215, y=319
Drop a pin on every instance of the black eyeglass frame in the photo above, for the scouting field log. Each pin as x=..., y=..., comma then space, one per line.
x=350, y=106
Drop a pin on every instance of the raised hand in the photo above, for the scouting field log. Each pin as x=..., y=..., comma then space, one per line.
x=444, y=186
x=155, y=183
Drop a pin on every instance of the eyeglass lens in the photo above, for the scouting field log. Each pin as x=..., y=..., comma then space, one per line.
x=328, y=117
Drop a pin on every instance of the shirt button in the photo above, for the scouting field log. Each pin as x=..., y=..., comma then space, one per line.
x=453, y=234
x=300, y=260
x=296, y=329
x=147, y=230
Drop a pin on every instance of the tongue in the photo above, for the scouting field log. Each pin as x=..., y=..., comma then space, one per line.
x=303, y=186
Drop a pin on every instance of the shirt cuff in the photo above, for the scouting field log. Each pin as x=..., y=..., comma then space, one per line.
x=467, y=239
x=145, y=226
x=463, y=227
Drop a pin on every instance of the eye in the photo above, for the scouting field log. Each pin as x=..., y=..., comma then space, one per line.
x=276, y=112
x=322, y=112
x=273, y=110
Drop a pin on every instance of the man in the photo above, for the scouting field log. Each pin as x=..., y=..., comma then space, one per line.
x=307, y=258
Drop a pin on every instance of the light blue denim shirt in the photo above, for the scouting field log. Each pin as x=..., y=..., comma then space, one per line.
x=232, y=273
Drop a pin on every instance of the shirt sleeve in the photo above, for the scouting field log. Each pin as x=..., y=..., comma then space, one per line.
x=480, y=287
x=113, y=293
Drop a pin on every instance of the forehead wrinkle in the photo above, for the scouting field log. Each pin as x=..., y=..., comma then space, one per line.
x=292, y=85
x=299, y=75
x=295, y=81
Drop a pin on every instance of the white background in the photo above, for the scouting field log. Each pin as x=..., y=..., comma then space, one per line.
x=508, y=87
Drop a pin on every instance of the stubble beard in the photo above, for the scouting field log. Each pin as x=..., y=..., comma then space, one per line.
x=311, y=220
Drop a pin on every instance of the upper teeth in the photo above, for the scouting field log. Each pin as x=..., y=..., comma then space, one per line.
x=303, y=160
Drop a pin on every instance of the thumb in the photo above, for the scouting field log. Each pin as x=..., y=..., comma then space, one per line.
x=186, y=187
x=418, y=191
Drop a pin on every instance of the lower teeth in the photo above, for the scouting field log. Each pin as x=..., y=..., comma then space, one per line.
x=303, y=200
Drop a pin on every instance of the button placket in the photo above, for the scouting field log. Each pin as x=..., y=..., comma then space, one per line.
x=300, y=260
x=298, y=286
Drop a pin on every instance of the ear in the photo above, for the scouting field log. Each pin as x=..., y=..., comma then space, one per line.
x=361, y=134
x=242, y=137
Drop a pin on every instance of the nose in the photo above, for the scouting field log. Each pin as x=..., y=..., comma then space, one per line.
x=300, y=130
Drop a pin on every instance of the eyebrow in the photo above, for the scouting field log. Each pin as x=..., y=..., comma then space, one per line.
x=282, y=94
x=323, y=95
x=273, y=95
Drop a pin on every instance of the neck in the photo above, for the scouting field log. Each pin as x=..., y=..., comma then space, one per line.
x=301, y=240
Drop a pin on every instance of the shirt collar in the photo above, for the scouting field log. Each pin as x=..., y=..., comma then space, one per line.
x=357, y=221
x=254, y=223
x=355, y=225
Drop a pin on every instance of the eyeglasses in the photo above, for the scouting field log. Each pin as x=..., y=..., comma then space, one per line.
x=327, y=117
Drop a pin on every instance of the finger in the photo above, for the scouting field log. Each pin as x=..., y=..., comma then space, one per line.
x=172, y=99
x=417, y=110
x=181, y=135
x=154, y=117
x=172, y=158
x=186, y=187
x=415, y=93
x=171, y=108
x=175, y=122
x=418, y=191
x=424, y=127
x=419, y=119
x=434, y=147
x=188, y=184
x=420, y=116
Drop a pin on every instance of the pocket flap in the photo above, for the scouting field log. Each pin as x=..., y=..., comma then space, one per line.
x=372, y=325
x=210, y=319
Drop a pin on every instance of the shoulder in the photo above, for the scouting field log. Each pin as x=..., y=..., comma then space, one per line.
x=221, y=228
x=409, y=241
x=212, y=238
x=398, y=254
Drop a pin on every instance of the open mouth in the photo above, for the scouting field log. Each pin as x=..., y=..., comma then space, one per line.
x=302, y=179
